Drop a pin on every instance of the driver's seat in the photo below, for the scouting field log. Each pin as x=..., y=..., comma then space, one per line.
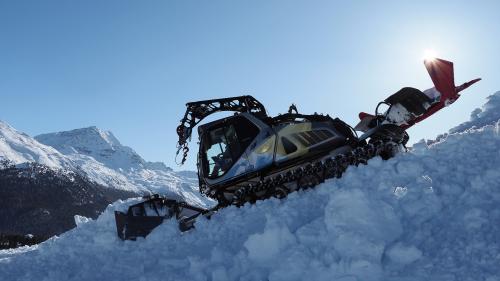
x=414, y=100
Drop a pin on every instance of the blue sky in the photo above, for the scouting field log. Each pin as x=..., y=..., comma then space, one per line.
x=130, y=66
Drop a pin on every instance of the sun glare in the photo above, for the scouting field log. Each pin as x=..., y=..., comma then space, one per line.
x=429, y=55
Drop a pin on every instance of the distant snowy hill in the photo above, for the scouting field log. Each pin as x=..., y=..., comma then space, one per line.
x=429, y=214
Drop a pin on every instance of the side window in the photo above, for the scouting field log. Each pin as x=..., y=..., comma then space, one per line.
x=217, y=153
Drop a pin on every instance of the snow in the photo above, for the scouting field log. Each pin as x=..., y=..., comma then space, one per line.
x=487, y=115
x=79, y=220
x=429, y=214
x=403, y=255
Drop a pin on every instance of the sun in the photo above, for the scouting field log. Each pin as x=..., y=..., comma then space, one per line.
x=429, y=55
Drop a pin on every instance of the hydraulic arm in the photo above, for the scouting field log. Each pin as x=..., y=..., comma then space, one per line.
x=197, y=111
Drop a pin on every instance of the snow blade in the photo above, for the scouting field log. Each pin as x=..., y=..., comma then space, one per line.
x=142, y=218
x=441, y=72
x=418, y=105
x=130, y=227
x=442, y=75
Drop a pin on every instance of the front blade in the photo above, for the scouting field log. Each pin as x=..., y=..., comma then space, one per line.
x=141, y=218
x=131, y=227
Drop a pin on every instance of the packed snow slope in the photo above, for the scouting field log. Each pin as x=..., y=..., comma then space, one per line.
x=487, y=115
x=429, y=214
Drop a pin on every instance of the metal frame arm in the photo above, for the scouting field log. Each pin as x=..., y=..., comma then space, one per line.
x=197, y=111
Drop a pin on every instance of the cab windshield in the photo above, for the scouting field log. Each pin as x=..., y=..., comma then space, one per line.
x=225, y=144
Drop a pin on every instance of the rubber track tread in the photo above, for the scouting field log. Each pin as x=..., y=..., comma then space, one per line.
x=332, y=167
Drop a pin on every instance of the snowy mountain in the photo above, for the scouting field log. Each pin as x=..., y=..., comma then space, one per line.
x=102, y=158
x=429, y=214
x=18, y=148
x=106, y=161
x=100, y=145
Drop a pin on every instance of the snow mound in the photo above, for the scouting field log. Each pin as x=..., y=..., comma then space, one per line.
x=430, y=214
x=487, y=115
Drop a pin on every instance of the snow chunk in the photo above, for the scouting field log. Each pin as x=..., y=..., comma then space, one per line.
x=403, y=255
x=352, y=216
x=263, y=247
x=79, y=220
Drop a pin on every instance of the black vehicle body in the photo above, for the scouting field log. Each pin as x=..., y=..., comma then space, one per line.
x=249, y=148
